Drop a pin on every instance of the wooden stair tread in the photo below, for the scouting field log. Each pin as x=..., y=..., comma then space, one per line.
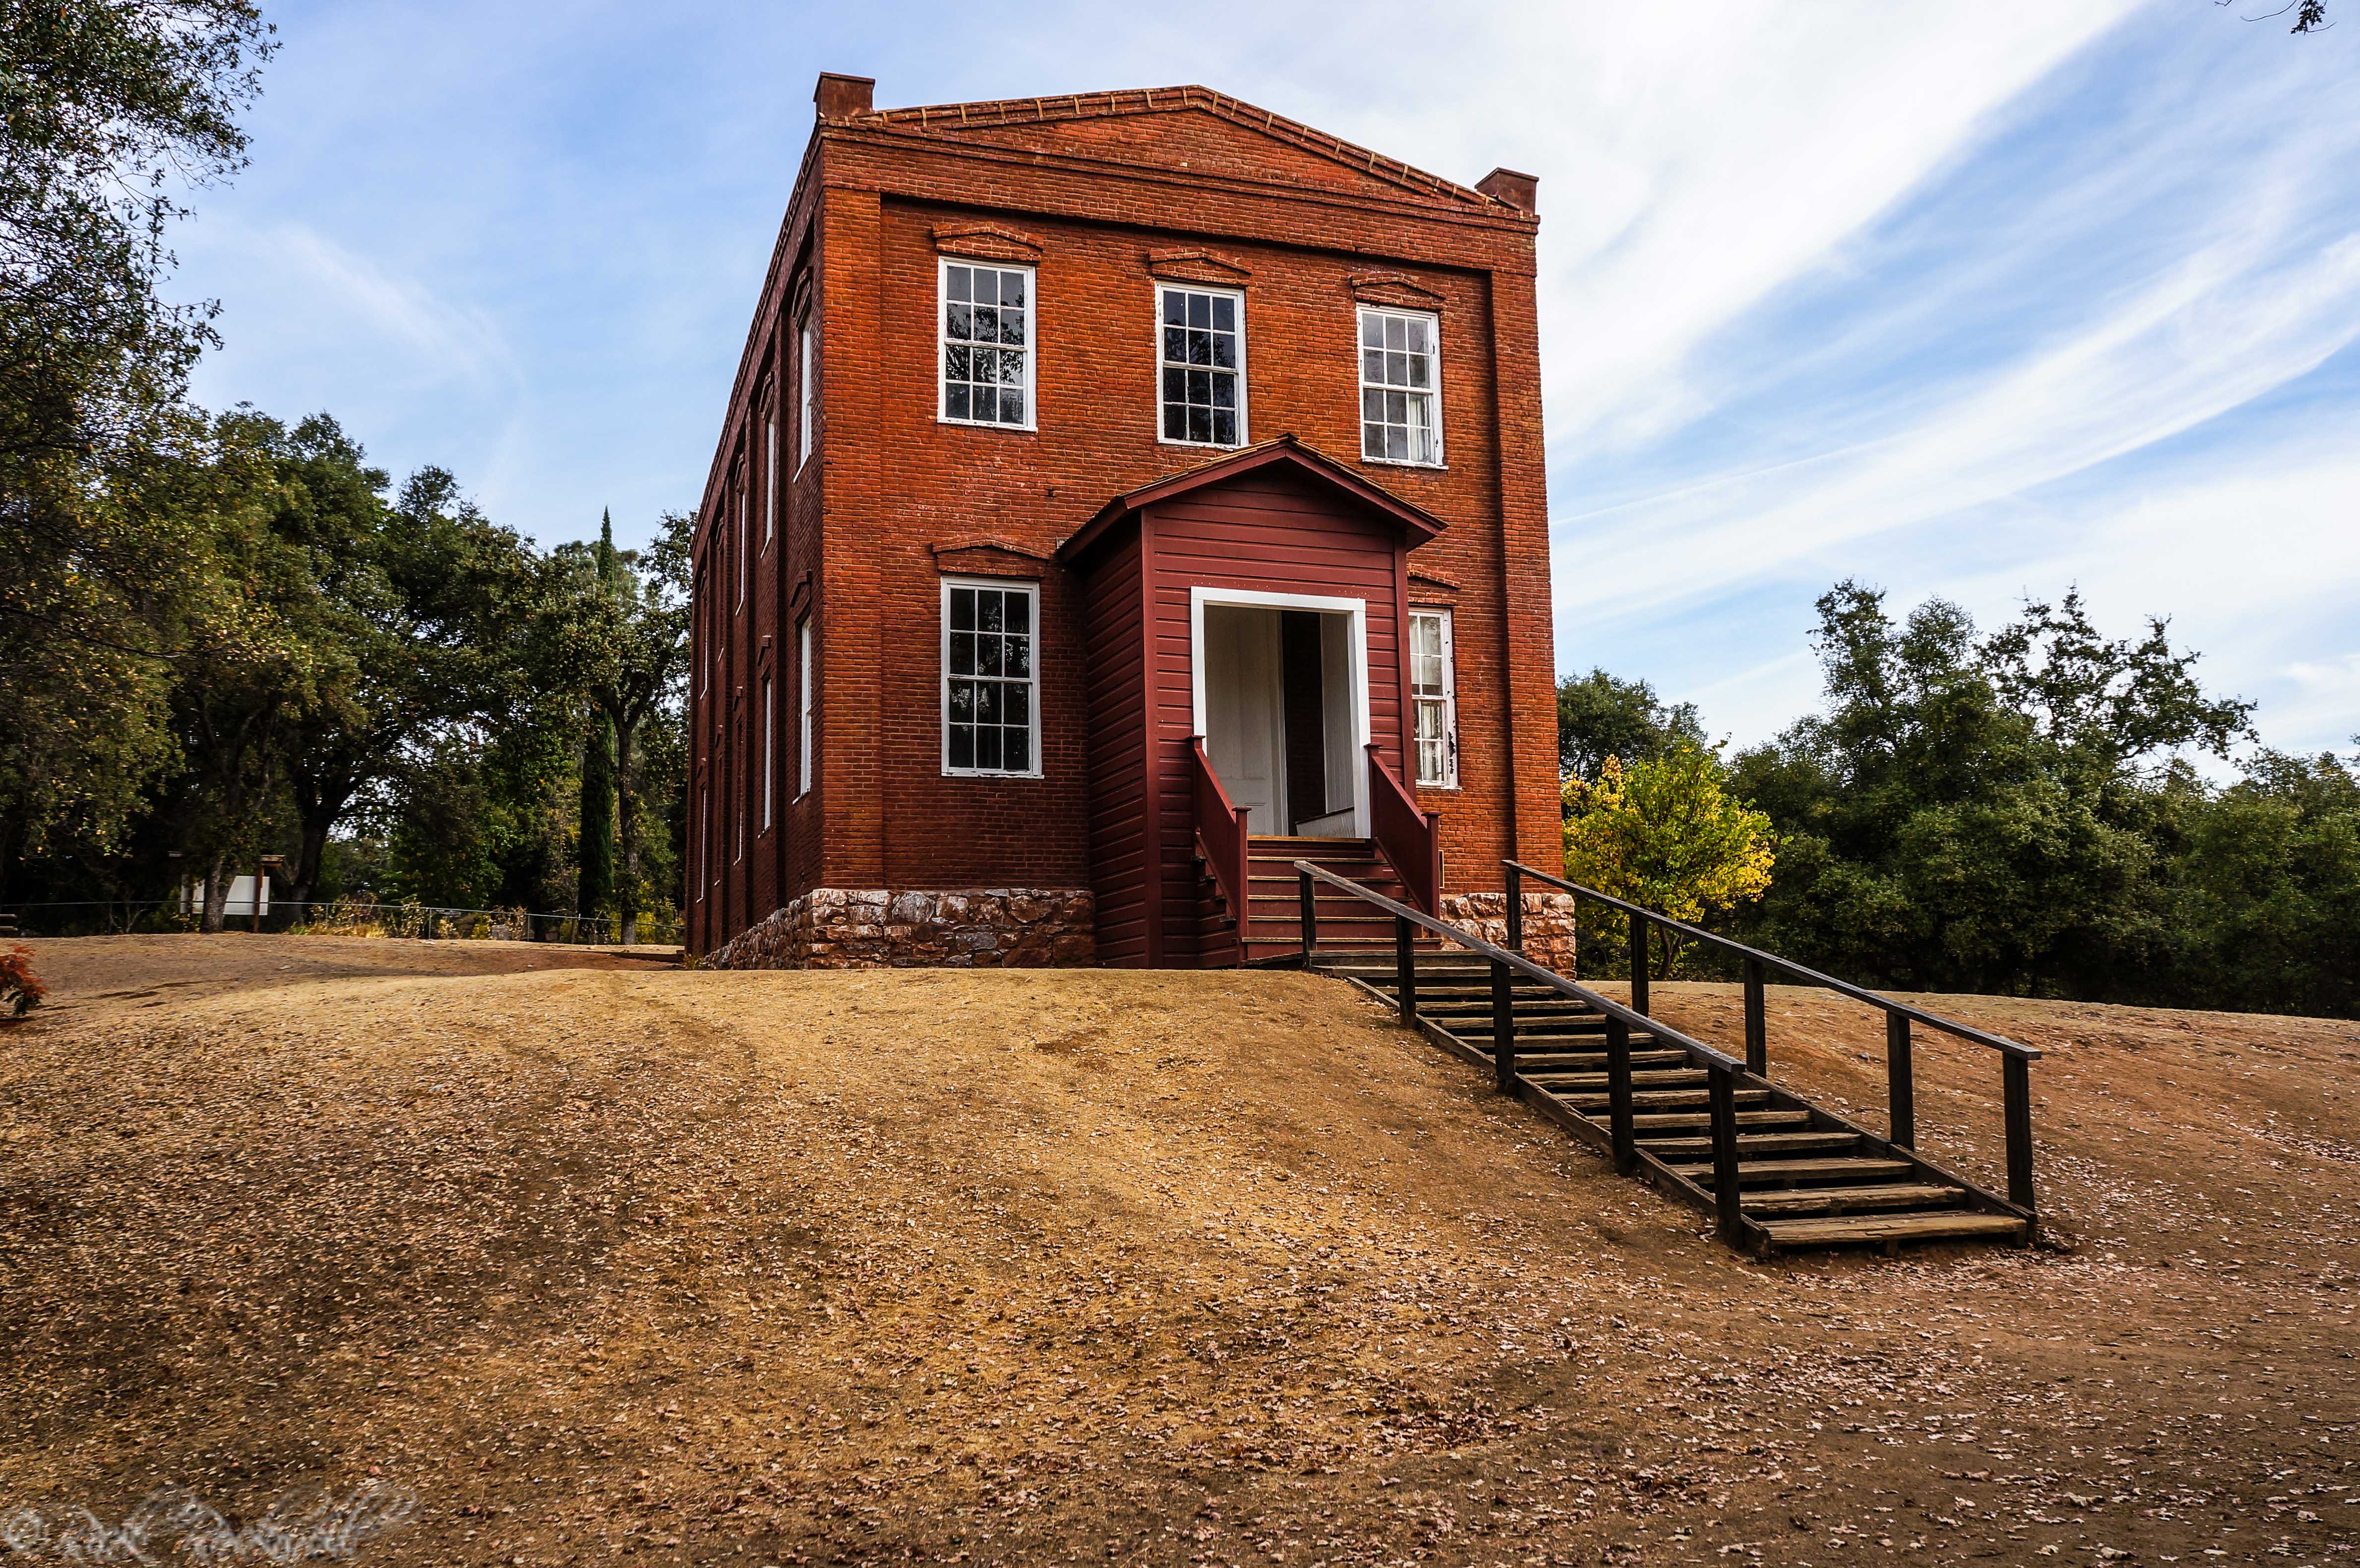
x=1884, y=1196
x=1755, y=1143
x=1837, y=1230
x=1860, y=1167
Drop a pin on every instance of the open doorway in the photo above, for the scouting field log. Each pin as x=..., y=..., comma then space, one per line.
x=1281, y=703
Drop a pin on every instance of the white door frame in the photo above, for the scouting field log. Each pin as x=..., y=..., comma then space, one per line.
x=1357, y=609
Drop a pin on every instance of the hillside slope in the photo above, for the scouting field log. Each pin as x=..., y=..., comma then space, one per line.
x=996, y=1267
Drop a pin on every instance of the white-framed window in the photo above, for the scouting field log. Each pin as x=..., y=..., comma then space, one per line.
x=991, y=712
x=1434, y=697
x=704, y=836
x=741, y=538
x=803, y=707
x=1200, y=336
x=1400, y=386
x=986, y=348
x=769, y=472
x=806, y=391
x=769, y=745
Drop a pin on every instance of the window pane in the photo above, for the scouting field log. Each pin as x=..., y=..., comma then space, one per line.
x=1012, y=368
x=1396, y=443
x=955, y=401
x=1016, y=612
x=1200, y=386
x=987, y=655
x=1418, y=370
x=962, y=701
x=1373, y=441
x=1017, y=661
x=1397, y=407
x=955, y=363
x=1175, y=384
x=987, y=285
x=1225, y=391
x=1175, y=421
x=1012, y=407
x=986, y=702
x=986, y=747
x=962, y=653
x=987, y=407
x=1417, y=336
x=1016, y=705
x=1373, y=368
x=1396, y=370
x=1017, y=751
x=1201, y=347
x=962, y=745
x=988, y=609
x=1200, y=310
x=1225, y=350
x=1225, y=313
x=960, y=284
x=1175, y=346
x=1200, y=424
x=1175, y=307
x=1011, y=325
x=986, y=323
x=1225, y=427
x=1372, y=331
x=962, y=609
x=1397, y=333
x=1011, y=288
x=1373, y=404
x=960, y=322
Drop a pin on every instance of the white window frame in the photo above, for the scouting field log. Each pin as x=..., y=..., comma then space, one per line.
x=806, y=392
x=771, y=470
x=803, y=706
x=769, y=740
x=1449, y=700
x=1245, y=433
x=1363, y=385
x=942, y=341
x=1032, y=590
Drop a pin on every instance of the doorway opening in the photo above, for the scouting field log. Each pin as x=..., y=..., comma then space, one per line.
x=1282, y=705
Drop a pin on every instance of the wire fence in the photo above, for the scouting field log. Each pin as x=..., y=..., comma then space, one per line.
x=342, y=917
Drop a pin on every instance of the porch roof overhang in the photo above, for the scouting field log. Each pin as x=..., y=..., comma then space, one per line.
x=1296, y=456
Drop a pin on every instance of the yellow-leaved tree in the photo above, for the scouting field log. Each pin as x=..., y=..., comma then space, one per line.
x=1667, y=834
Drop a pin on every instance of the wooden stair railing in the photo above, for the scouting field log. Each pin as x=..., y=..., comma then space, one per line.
x=1221, y=835
x=1901, y=1100
x=1775, y=1172
x=1406, y=836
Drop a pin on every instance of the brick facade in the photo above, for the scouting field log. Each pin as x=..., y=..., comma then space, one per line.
x=1100, y=195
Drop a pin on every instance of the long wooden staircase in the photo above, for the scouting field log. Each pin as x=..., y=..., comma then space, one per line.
x=1780, y=1174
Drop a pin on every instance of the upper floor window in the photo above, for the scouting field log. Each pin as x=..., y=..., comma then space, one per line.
x=1434, y=694
x=806, y=389
x=1202, y=356
x=769, y=472
x=989, y=679
x=1401, y=411
x=987, y=345
x=803, y=707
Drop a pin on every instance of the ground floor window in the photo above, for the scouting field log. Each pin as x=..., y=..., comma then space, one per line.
x=803, y=707
x=990, y=679
x=1432, y=690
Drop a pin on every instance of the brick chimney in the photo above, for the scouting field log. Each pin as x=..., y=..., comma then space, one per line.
x=840, y=97
x=1521, y=191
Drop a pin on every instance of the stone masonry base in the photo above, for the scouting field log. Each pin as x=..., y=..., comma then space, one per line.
x=1548, y=924
x=849, y=928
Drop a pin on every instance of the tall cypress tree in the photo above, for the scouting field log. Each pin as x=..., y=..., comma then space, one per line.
x=596, y=888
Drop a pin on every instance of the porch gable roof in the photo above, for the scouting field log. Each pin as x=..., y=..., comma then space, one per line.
x=1297, y=456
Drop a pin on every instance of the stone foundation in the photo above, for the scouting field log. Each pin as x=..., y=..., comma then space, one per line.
x=1548, y=923
x=977, y=928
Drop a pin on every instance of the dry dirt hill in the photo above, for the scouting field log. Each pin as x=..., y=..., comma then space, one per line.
x=626, y=1262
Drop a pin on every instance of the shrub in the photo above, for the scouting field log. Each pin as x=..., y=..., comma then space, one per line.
x=20, y=990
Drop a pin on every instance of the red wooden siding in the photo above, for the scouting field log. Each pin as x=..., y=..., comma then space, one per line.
x=1113, y=613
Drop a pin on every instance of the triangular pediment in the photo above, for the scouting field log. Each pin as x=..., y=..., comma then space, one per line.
x=1189, y=130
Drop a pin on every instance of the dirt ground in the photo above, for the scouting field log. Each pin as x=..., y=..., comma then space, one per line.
x=604, y=1260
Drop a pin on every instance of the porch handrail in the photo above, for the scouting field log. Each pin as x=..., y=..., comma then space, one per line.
x=1221, y=833
x=2015, y=1058
x=1406, y=836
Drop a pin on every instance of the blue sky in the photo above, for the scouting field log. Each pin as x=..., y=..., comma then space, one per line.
x=1972, y=299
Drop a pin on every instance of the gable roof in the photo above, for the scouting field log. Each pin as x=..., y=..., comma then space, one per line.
x=1284, y=451
x=993, y=114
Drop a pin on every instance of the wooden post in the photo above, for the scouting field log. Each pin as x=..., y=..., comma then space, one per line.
x=1306, y=893
x=2017, y=1075
x=1406, y=970
x=1515, y=909
x=1503, y=1026
x=1618, y=1095
x=1728, y=1196
x=255, y=907
x=1758, y=1023
x=1902, y=1093
x=1638, y=964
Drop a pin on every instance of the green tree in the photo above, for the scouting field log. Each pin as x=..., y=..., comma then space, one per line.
x=1667, y=834
x=1599, y=715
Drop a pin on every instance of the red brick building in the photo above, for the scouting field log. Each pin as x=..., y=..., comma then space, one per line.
x=1120, y=496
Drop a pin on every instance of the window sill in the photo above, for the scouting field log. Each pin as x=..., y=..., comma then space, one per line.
x=1203, y=446
x=985, y=773
x=1405, y=463
x=988, y=425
